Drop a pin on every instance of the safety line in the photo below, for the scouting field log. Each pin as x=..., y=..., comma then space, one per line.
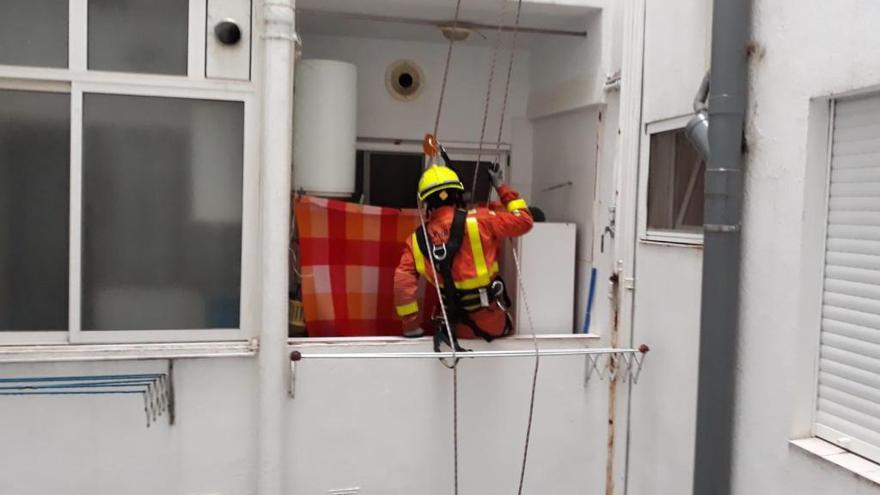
x=446, y=70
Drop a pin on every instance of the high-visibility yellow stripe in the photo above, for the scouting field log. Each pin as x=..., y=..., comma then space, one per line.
x=408, y=309
x=418, y=256
x=473, y=230
x=517, y=204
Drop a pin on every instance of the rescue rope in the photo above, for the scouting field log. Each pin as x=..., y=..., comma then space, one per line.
x=446, y=69
x=450, y=335
x=488, y=100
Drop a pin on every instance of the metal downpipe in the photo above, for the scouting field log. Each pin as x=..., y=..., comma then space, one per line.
x=719, y=319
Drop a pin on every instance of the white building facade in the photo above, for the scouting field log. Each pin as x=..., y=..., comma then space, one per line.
x=602, y=112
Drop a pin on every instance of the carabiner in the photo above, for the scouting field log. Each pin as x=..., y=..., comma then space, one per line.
x=439, y=252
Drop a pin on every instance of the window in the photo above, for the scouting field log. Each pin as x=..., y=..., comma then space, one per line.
x=675, y=185
x=34, y=209
x=162, y=192
x=138, y=35
x=848, y=403
x=34, y=32
x=392, y=178
x=128, y=198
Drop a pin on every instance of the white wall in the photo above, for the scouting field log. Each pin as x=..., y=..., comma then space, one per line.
x=804, y=50
x=381, y=115
x=101, y=445
x=386, y=426
x=565, y=150
x=667, y=277
x=807, y=49
x=565, y=103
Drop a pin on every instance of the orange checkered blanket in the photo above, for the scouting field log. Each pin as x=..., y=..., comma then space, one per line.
x=348, y=253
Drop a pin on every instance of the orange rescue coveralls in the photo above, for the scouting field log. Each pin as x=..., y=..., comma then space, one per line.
x=475, y=266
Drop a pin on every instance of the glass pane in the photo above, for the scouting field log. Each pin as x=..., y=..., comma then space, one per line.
x=139, y=36
x=394, y=179
x=162, y=203
x=34, y=32
x=676, y=177
x=34, y=206
x=465, y=170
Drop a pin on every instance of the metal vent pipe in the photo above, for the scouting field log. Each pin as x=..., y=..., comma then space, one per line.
x=719, y=319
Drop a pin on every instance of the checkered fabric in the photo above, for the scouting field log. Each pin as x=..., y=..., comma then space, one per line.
x=348, y=253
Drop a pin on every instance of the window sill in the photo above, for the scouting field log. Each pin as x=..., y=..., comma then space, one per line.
x=125, y=352
x=827, y=451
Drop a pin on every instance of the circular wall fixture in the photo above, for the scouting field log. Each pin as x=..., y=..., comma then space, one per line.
x=404, y=80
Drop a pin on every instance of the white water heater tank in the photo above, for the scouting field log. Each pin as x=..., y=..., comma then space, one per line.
x=324, y=127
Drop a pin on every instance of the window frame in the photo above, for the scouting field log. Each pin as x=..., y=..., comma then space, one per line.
x=646, y=234
x=76, y=80
x=458, y=150
x=815, y=238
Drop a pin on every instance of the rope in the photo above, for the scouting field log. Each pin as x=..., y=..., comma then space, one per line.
x=522, y=288
x=446, y=69
x=449, y=333
x=488, y=100
x=455, y=425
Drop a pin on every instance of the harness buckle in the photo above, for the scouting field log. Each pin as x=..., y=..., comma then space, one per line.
x=484, y=297
x=439, y=252
x=497, y=288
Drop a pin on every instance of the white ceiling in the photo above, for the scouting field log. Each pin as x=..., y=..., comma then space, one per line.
x=547, y=14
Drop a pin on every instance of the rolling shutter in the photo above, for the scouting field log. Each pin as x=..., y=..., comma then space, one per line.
x=849, y=366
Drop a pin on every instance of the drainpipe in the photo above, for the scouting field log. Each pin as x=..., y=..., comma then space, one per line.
x=719, y=320
x=277, y=135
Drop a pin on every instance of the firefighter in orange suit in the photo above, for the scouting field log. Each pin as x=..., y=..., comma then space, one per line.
x=465, y=246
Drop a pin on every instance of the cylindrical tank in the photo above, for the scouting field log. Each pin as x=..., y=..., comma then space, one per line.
x=324, y=127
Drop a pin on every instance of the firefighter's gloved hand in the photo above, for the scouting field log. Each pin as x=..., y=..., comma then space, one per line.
x=496, y=175
x=414, y=333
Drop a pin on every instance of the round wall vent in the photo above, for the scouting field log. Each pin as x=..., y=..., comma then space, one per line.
x=404, y=80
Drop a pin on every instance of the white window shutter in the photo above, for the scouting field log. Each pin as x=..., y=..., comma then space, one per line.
x=849, y=366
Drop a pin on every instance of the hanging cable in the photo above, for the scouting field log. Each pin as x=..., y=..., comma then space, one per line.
x=488, y=100
x=450, y=335
x=446, y=69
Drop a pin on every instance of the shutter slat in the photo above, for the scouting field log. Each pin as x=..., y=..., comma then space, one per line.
x=854, y=232
x=849, y=175
x=851, y=330
x=855, y=346
x=852, y=274
x=852, y=402
x=852, y=289
x=853, y=260
x=865, y=132
x=850, y=373
x=852, y=148
x=856, y=106
x=855, y=246
x=864, y=160
x=849, y=356
x=856, y=190
x=849, y=414
x=851, y=387
x=864, y=218
x=855, y=430
x=835, y=304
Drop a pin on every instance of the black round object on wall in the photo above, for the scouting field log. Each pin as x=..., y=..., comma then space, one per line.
x=227, y=32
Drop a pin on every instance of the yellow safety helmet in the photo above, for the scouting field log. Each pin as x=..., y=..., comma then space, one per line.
x=437, y=178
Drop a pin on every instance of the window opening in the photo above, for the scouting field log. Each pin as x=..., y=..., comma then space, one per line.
x=676, y=181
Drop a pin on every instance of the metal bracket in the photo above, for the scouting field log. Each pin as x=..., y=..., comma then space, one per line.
x=295, y=356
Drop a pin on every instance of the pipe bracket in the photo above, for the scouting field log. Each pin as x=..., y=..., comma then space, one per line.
x=712, y=227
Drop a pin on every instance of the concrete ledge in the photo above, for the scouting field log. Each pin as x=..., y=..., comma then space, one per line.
x=125, y=352
x=827, y=451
